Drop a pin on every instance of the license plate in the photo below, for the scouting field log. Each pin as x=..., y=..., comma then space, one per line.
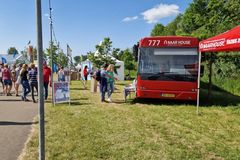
x=168, y=95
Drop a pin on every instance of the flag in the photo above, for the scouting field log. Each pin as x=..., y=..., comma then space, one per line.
x=69, y=51
x=14, y=53
x=55, y=67
x=4, y=60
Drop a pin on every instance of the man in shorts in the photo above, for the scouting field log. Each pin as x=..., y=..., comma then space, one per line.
x=6, y=76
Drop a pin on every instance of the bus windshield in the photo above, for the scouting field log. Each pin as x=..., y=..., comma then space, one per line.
x=168, y=64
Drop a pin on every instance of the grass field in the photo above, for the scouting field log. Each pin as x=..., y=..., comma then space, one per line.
x=138, y=130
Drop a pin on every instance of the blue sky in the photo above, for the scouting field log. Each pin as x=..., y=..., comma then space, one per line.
x=84, y=23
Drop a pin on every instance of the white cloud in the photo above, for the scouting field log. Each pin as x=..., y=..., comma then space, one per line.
x=128, y=19
x=160, y=11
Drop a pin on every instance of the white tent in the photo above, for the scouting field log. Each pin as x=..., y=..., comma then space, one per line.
x=10, y=59
x=120, y=71
x=78, y=67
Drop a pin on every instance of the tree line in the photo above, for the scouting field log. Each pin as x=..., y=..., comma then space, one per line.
x=204, y=19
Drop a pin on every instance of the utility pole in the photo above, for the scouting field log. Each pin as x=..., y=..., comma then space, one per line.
x=51, y=44
x=40, y=80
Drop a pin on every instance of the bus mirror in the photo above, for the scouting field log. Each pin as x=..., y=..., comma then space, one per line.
x=202, y=70
x=135, y=52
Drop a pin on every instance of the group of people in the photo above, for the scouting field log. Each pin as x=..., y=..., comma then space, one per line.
x=106, y=81
x=105, y=78
x=25, y=75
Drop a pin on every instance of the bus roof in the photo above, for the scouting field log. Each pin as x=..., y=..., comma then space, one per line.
x=169, y=41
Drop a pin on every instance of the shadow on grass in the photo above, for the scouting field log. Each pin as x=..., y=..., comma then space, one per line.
x=122, y=84
x=79, y=99
x=72, y=103
x=118, y=92
x=79, y=89
x=219, y=97
x=78, y=104
x=118, y=101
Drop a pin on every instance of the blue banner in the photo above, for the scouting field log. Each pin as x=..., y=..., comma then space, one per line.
x=4, y=60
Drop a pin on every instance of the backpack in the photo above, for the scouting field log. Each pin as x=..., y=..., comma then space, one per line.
x=98, y=75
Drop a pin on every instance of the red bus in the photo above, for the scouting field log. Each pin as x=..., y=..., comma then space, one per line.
x=167, y=68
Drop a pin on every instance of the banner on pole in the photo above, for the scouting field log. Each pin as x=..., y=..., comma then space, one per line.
x=61, y=92
x=69, y=51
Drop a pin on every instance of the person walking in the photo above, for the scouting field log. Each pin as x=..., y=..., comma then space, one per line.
x=61, y=75
x=1, y=80
x=6, y=76
x=110, y=81
x=25, y=82
x=14, y=77
x=46, y=78
x=103, y=82
x=18, y=82
x=85, y=75
x=33, y=80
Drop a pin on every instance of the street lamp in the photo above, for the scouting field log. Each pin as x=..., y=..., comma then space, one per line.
x=51, y=44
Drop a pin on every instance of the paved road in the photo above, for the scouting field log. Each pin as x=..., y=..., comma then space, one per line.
x=16, y=118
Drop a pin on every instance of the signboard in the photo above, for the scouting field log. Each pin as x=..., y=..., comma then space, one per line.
x=169, y=41
x=227, y=41
x=61, y=92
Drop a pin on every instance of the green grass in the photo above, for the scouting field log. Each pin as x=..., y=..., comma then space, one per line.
x=93, y=130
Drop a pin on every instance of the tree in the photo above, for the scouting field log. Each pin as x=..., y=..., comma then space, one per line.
x=58, y=56
x=102, y=55
x=115, y=53
x=206, y=18
x=128, y=60
x=171, y=28
x=99, y=60
x=168, y=30
x=84, y=57
x=12, y=50
x=105, y=47
x=77, y=60
x=52, y=55
x=158, y=30
x=62, y=59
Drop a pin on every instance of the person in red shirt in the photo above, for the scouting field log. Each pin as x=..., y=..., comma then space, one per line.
x=85, y=74
x=46, y=78
x=6, y=77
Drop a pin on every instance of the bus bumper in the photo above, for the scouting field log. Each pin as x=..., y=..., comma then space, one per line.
x=177, y=95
